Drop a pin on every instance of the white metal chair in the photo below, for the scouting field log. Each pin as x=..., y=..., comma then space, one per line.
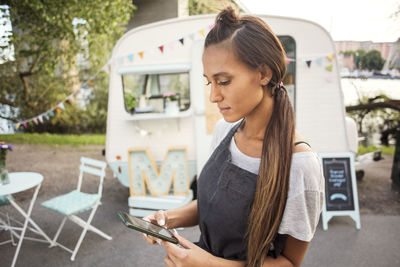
x=76, y=202
x=5, y=224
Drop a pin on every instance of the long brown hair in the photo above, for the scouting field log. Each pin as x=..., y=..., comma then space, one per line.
x=256, y=45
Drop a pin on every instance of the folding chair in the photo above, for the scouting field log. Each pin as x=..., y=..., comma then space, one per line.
x=6, y=225
x=76, y=202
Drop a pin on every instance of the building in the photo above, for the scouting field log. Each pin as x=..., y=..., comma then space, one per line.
x=347, y=61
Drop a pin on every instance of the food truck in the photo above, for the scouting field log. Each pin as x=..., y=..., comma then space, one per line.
x=160, y=120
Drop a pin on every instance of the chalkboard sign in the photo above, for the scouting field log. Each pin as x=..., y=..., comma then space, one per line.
x=341, y=198
x=338, y=184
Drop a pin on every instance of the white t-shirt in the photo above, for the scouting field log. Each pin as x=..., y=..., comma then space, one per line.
x=306, y=185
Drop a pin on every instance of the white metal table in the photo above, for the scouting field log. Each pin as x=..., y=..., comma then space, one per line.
x=21, y=181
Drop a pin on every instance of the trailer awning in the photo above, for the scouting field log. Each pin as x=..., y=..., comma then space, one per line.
x=155, y=69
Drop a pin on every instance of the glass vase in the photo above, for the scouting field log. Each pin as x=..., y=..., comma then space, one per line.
x=3, y=173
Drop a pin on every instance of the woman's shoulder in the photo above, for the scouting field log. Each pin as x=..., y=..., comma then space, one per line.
x=306, y=172
x=222, y=128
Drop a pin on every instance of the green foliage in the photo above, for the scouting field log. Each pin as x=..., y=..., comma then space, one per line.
x=130, y=101
x=386, y=150
x=54, y=139
x=59, y=44
x=372, y=60
x=198, y=7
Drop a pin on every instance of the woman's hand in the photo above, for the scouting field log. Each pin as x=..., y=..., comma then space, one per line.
x=160, y=218
x=187, y=255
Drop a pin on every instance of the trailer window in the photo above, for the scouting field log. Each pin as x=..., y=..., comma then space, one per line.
x=155, y=86
x=289, y=45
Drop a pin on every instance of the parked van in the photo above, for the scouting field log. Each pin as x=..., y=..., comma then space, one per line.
x=158, y=102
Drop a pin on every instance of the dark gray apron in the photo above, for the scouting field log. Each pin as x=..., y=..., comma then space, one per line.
x=225, y=196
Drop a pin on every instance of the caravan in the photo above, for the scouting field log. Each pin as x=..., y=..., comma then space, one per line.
x=160, y=121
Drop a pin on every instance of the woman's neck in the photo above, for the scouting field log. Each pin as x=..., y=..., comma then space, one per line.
x=256, y=122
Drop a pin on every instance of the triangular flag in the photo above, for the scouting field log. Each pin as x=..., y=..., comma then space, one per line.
x=57, y=109
x=25, y=124
x=191, y=36
x=330, y=57
x=51, y=113
x=329, y=79
x=202, y=32
x=30, y=123
x=68, y=101
x=308, y=63
x=181, y=40
x=161, y=48
x=91, y=83
x=40, y=118
x=17, y=126
x=319, y=61
x=35, y=121
x=328, y=68
x=46, y=116
x=172, y=45
x=130, y=57
x=71, y=97
x=61, y=105
x=106, y=69
x=141, y=55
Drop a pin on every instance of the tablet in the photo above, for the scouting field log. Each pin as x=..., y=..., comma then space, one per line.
x=147, y=227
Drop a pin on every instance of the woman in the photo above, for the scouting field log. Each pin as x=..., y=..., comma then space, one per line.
x=261, y=192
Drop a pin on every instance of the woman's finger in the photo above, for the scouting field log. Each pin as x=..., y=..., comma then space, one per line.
x=168, y=261
x=160, y=217
x=151, y=240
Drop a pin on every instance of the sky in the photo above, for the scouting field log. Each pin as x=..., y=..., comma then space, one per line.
x=355, y=20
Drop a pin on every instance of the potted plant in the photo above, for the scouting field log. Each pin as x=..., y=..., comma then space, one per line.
x=3, y=171
x=171, y=102
x=130, y=102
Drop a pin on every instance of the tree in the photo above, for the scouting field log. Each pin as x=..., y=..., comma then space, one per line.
x=372, y=60
x=58, y=44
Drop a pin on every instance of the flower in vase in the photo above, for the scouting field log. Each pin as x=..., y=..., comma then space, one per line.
x=6, y=147
x=3, y=151
x=169, y=96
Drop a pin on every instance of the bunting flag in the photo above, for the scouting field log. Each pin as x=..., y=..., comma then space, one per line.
x=120, y=60
x=172, y=45
x=130, y=57
x=61, y=105
x=329, y=79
